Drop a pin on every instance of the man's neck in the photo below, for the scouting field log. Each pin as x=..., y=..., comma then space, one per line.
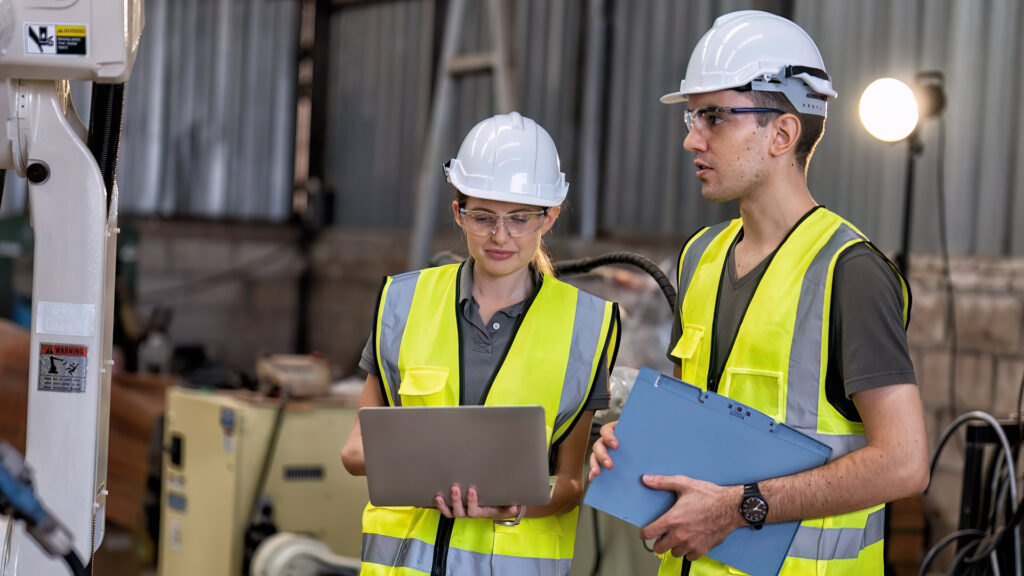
x=769, y=215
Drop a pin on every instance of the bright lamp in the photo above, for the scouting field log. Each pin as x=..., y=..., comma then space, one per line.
x=888, y=109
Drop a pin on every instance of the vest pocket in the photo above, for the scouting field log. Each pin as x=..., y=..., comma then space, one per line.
x=688, y=350
x=426, y=386
x=541, y=539
x=761, y=389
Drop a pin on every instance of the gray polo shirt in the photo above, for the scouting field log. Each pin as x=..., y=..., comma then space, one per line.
x=485, y=345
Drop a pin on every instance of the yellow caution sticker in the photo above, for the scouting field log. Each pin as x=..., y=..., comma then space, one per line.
x=56, y=39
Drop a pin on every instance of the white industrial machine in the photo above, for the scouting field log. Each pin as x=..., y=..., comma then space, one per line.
x=73, y=202
x=235, y=459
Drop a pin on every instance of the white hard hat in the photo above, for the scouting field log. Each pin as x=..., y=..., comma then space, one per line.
x=768, y=52
x=509, y=158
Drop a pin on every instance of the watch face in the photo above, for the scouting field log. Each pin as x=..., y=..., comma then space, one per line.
x=754, y=509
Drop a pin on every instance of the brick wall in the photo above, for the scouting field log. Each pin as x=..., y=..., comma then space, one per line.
x=989, y=358
x=232, y=288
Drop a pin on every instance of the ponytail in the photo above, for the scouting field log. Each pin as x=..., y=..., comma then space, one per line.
x=542, y=260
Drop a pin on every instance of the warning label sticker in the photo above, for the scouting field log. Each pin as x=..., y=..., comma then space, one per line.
x=62, y=367
x=58, y=39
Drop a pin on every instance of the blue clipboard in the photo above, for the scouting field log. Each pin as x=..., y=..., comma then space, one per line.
x=671, y=427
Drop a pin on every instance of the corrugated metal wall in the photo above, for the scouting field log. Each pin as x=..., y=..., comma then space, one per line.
x=209, y=112
x=646, y=187
x=977, y=44
x=380, y=85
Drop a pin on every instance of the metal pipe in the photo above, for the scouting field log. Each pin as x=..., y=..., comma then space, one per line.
x=429, y=184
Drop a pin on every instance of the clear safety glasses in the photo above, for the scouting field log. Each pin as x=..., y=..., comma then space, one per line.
x=517, y=224
x=707, y=118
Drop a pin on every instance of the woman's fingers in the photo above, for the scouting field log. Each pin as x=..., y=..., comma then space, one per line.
x=457, y=508
x=442, y=507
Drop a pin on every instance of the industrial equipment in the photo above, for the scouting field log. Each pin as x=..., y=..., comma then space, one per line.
x=73, y=199
x=216, y=444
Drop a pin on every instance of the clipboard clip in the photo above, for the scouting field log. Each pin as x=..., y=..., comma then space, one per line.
x=739, y=411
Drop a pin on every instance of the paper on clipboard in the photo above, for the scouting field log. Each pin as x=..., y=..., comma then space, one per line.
x=670, y=427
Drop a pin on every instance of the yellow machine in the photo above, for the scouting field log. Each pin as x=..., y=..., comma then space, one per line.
x=215, y=446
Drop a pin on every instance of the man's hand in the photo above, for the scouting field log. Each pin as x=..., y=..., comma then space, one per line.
x=703, y=515
x=599, y=456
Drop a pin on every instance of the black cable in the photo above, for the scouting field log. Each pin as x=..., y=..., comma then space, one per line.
x=946, y=269
x=597, y=545
x=1020, y=420
x=959, y=558
x=261, y=524
x=3, y=181
x=997, y=538
x=75, y=564
x=584, y=265
x=286, y=393
x=647, y=546
x=941, y=544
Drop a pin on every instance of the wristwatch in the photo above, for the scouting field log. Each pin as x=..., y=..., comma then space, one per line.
x=753, y=507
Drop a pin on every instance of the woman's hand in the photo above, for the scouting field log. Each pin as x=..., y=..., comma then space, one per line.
x=472, y=509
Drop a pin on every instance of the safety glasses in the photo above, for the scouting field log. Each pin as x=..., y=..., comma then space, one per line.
x=517, y=224
x=707, y=118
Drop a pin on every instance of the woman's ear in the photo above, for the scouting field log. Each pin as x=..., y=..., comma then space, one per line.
x=455, y=211
x=550, y=217
x=787, y=134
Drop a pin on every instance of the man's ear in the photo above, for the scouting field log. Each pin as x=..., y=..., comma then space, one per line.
x=787, y=134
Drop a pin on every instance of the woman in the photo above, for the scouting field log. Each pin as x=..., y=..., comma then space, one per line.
x=496, y=329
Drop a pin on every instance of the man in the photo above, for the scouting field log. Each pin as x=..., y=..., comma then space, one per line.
x=788, y=309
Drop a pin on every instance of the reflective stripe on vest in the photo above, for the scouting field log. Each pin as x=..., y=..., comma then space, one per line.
x=805, y=377
x=755, y=367
x=826, y=544
x=696, y=249
x=381, y=551
x=392, y=317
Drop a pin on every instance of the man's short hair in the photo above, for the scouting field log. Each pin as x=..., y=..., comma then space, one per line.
x=812, y=127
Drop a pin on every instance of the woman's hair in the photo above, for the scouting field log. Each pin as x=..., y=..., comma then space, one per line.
x=541, y=259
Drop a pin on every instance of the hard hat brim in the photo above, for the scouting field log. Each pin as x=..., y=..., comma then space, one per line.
x=674, y=98
x=511, y=197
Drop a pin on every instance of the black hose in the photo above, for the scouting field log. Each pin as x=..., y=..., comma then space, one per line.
x=75, y=564
x=3, y=182
x=597, y=544
x=286, y=393
x=584, y=265
x=105, y=118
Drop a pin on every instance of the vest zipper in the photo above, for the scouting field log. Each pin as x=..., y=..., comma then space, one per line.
x=441, y=541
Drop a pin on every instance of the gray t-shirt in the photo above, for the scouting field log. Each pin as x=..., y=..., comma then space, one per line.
x=867, y=340
x=485, y=346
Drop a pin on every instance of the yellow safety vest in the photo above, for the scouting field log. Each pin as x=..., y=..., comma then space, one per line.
x=778, y=364
x=552, y=361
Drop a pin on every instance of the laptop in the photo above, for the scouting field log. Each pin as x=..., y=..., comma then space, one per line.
x=414, y=453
